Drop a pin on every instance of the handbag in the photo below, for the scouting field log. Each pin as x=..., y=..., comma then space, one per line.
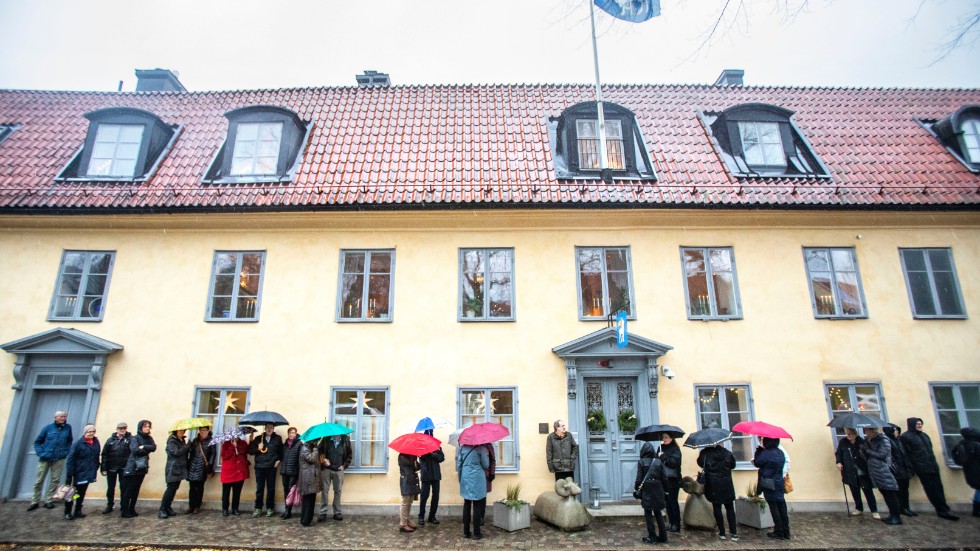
x=293, y=498
x=65, y=492
x=141, y=463
x=787, y=484
x=767, y=484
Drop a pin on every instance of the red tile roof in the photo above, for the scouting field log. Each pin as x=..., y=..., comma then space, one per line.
x=415, y=146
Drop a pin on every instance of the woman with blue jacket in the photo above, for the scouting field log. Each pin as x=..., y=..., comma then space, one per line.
x=472, y=463
x=81, y=469
x=770, y=460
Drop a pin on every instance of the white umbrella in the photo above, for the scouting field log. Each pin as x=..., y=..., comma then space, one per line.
x=454, y=437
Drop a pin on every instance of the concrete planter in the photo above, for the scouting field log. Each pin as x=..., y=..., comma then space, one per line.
x=751, y=514
x=511, y=519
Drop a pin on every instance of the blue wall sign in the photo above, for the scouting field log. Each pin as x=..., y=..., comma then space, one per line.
x=622, y=337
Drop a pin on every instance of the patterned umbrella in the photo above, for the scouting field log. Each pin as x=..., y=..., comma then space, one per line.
x=190, y=423
x=230, y=434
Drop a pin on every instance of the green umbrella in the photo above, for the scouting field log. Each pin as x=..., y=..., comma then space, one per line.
x=324, y=430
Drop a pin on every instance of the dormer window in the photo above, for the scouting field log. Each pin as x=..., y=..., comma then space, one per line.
x=264, y=144
x=757, y=139
x=574, y=138
x=121, y=144
x=960, y=133
x=6, y=130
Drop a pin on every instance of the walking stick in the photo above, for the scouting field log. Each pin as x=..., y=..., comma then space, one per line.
x=846, y=503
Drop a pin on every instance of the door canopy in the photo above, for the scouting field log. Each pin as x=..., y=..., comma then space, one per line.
x=601, y=347
x=60, y=341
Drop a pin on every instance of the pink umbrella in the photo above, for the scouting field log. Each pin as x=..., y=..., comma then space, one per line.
x=758, y=428
x=415, y=443
x=482, y=433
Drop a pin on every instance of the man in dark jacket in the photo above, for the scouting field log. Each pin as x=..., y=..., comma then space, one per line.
x=561, y=451
x=431, y=479
x=115, y=453
x=267, y=449
x=918, y=446
x=901, y=467
x=967, y=455
x=51, y=446
x=336, y=455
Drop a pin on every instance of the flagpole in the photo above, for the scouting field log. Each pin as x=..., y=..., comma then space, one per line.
x=598, y=95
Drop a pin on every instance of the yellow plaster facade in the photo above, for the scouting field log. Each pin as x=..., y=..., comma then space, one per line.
x=292, y=357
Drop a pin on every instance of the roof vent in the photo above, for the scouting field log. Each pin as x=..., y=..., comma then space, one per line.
x=373, y=78
x=158, y=80
x=730, y=77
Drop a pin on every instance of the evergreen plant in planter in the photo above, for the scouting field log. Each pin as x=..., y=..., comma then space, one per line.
x=751, y=510
x=512, y=513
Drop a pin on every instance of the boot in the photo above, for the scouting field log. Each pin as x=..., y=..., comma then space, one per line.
x=224, y=512
x=288, y=513
x=78, y=511
x=894, y=520
x=421, y=521
x=108, y=509
x=909, y=512
x=163, y=514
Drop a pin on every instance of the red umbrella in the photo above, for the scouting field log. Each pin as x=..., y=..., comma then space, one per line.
x=758, y=428
x=415, y=443
x=482, y=433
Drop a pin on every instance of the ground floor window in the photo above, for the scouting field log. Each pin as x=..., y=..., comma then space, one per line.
x=864, y=398
x=493, y=405
x=366, y=411
x=957, y=406
x=224, y=406
x=724, y=406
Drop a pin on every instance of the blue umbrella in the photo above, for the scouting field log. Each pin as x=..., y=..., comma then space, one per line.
x=324, y=430
x=431, y=423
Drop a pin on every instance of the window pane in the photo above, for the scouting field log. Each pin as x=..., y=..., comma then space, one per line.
x=353, y=289
x=921, y=294
x=914, y=260
x=817, y=260
x=95, y=285
x=380, y=263
x=502, y=402
x=221, y=307
x=939, y=260
x=708, y=400
x=472, y=402
x=619, y=292
x=843, y=260
x=949, y=423
x=850, y=297
x=473, y=295
x=949, y=299
x=971, y=398
x=736, y=399
x=944, y=397
x=378, y=296
x=840, y=398
x=246, y=308
x=354, y=263
x=500, y=295
x=235, y=401
x=225, y=263
x=725, y=302
x=616, y=260
x=867, y=400
x=208, y=402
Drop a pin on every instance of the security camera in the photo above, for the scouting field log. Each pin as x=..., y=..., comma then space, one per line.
x=668, y=372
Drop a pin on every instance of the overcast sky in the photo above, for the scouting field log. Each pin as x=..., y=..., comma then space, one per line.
x=242, y=44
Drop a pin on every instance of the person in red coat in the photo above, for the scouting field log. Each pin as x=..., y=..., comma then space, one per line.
x=234, y=473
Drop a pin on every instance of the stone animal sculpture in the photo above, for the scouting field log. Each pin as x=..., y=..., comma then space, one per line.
x=697, y=509
x=560, y=507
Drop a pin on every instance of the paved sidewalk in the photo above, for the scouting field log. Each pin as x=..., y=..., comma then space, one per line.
x=43, y=529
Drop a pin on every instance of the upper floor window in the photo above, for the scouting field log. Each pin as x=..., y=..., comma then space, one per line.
x=82, y=286
x=493, y=405
x=957, y=406
x=236, y=285
x=121, y=144
x=605, y=282
x=960, y=133
x=264, y=144
x=486, y=281
x=366, y=285
x=835, y=283
x=756, y=139
x=574, y=138
x=365, y=410
x=724, y=406
x=710, y=282
x=6, y=130
x=864, y=398
x=930, y=277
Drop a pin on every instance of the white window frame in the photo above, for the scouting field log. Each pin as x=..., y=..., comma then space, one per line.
x=116, y=162
x=961, y=414
x=252, y=308
x=237, y=152
x=488, y=418
x=970, y=140
x=933, y=289
x=218, y=418
x=486, y=282
x=765, y=147
x=355, y=437
x=615, y=144
x=78, y=300
x=723, y=413
x=365, y=289
x=851, y=386
x=605, y=303
x=835, y=298
x=706, y=308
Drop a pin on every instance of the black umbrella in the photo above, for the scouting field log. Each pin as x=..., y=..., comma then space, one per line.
x=263, y=417
x=652, y=433
x=852, y=420
x=707, y=437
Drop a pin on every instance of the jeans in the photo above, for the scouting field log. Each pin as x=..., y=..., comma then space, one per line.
x=168, y=496
x=130, y=491
x=330, y=477
x=265, y=486
x=426, y=486
x=730, y=512
x=110, y=486
x=473, y=511
x=45, y=468
x=648, y=516
x=235, y=489
x=195, y=496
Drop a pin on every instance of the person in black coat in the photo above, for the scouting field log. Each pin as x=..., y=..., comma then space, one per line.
x=877, y=450
x=649, y=489
x=81, y=468
x=200, y=468
x=140, y=447
x=770, y=461
x=289, y=468
x=853, y=469
x=719, y=489
x=670, y=456
x=408, y=484
x=918, y=446
x=178, y=451
x=115, y=453
x=267, y=449
x=966, y=454
x=431, y=474
x=901, y=467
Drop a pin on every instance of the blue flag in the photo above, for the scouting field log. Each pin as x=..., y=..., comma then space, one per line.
x=635, y=11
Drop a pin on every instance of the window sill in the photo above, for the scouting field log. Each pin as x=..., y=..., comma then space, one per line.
x=939, y=317
x=716, y=318
x=80, y=320
x=837, y=318
x=228, y=320
x=364, y=320
x=491, y=320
